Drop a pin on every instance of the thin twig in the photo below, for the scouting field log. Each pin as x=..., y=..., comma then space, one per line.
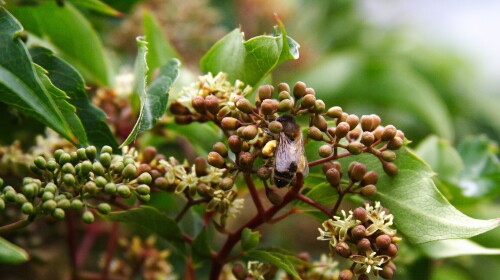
x=110, y=250
x=314, y=204
x=72, y=243
x=15, y=225
x=254, y=193
x=284, y=215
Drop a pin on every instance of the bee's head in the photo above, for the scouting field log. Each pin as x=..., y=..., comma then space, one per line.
x=285, y=118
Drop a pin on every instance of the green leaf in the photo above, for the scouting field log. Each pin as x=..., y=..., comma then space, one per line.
x=200, y=247
x=442, y=157
x=193, y=131
x=22, y=84
x=160, y=50
x=97, y=6
x=481, y=175
x=71, y=33
x=153, y=220
x=154, y=99
x=276, y=258
x=12, y=254
x=66, y=78
x=420, y=211
x=249, y=239
x=252, y=60
x=455, y=247
x=322, y=193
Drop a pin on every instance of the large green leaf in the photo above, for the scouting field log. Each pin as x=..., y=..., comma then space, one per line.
x=420, y=211
x=22, y=84
x=252, y=60
x=12, y=254
x=455, y=247
x=71, y=33
x=66, y=78
x=276, y=258
x=154, y=98
x=151, y=219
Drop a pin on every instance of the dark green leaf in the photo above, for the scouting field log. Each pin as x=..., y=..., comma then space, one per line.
x=66, y=78
x=97, y=6
x=12, y=254
x=71, y=33
x=252, y=60
x=249, y=239
x=153, y=220
x=455, y=247
x=276, y=258
x=200, y=247
x=21, y=87
x=421, y=212
x=154, y=99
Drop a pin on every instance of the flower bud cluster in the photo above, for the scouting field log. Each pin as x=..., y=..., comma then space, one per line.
x=78, y=181
x=366, y=237
x=361, y=181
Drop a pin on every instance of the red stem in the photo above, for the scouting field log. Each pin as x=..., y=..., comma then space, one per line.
x=254, y=193
x=332, y=157
x=72, y=243
x=284, y=215
x=110, y=250
x=314, y=204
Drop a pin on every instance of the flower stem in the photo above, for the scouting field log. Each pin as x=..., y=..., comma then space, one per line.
x=254, y=193
x=15, y=225
x=110, y=250
x=314, y=204
x=332, y=157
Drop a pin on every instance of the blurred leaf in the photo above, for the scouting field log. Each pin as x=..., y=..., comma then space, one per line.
x=442, y=158
x=151, y=219
x=421, y=212
x=193, y=131
x=97, y=6
x=252, y=60
x=12, y=254
x=455, y=247
x=66, y=78
x=154, y=98
x=276, y=258
x=71, y=33
x=481, y=175
x=323, y=193
x=160, y=50
x=200, y=247
x=249, y=239
x=20, y=84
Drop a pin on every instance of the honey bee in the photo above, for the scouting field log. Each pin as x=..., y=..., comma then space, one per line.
x=290, y=156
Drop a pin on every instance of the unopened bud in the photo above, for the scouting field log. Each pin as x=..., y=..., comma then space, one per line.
x=390, y=169
x=265, y=92
x=285, y=105
x=314, y=133
x=342, y=129
x=325, y=151
x=376, y=121
x=358, y=232
x=391, y=250
x=226, y=184
x=198, y=103
x=319, y=106
x=367, y=122
x=220, y=148
x=239, y=271
x=346, y=274
x=216, y=160
x=269, y=107
x=333, y=176
x=364, y=245
x=230, y=123
x=389, y=156
x=320, y=122
x=357, y=172
x=355, y=148
x=386, y=272
x=308, y=101
x=283, y=87
x=383, y=241
x=264, y=173
x=334, y=112
x=244, y=105
x=249, y=132
x=343, y=250
x=369, y=190
x=274, y=197
x=388, y=133
x=275, y=127
x=370, y=177
x=299, y=90
x=235, y=143
x=104, y=208
x=246, y=160
x=88, y=217
x=178, y=109
x=395, y=143
x=283, y=95
x=212, y=103
x=367, y=138
x=360, y=214
x=353, y=121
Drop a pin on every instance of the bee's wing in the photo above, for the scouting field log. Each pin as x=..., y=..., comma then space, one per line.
x=290, y=153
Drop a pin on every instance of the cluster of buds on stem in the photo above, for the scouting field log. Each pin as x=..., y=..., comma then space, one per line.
x=79, y=180
x=366, y=237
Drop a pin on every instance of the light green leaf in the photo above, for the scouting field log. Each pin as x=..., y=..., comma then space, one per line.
x=12, y=254
x=21, y=87
x=249, y=239
x=97, y=6
x=153, y=220
x=420, y=211
x=276, y=258
x=455, y=247
x=154, y=99
x=71, y=33
x=66, y=78
x=252, y=60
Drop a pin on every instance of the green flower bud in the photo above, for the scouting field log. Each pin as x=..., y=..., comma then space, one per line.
x=249, y=132
x=86, y=167
x=36, y=170
x=50, y=187
x=64, y=158
x=220, y=148
x=388, y=133
x=100, y=181
x=74, y=158
x=308, y=101
x=389, y=156
x=123, y=190
x=98, y=168
x=265, y=92
x=68, y=168
x=314, y=133
x=81, y=154
x=27, y=208
x=269, y=107
x=130, y=171
x=285, y=105
x=325, y=151
x=145, y=178
x=275, y=127
x=58, y=153
x=58, y=213
x=47, y=196
x=104, y=208
x=390, y=169
x=145, y=198
x=76, y=204
x=283, y=95
x=20, y=198
x=395, y=143
x=49, y=205
x=30, y=190
x=51, y=165
x=105, y=159
x=90, y=188
x=40, y=162
x=10, y=196
x=106, y=149
x=91, y=152
x=69, y=180
x=128, y=159
x=342, y=129
x=343, y=250
x=299, y=90
x=334, y=112
x=88, y=217
x=64, y=203
x=2, y=204
x=118, y=167
x=1, y=182
x=143, y=189
x=110, y=188
x=244, y=105
x=355, y=148
x=369, y=190
x=216, y=160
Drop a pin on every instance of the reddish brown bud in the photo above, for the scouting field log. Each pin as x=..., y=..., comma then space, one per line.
x=343, y=250
x=234, y=143
x=308, y=101
x=178, y=109
x=314, y=133
x=364, y=245
x=386, y=272
x=353, y=121
x=388, y=133
x=369, y=190
x=226, y=184
x=200, y=165
x=246, y=160
x=366, y=123
x=249, y=132
x=391, y=250
x=360, y=214
x=265, y=92
x=355, y=148
x=383, y=241
x=390, y=169
x=244, y=105
x=274, y=197
x=400, y=134
x=334, y=112
x=370, y=177
x=346, y=274
x=220, y=148
x=320, y=122
x=264, y=173
x=299, y=90
x=342, y=129
x=327, y=165
x=367, y=138
x=148, y=154
x=358, y=232
x=325, y=151
x=216, y=160
x=333, y=176
x=183, y=119
x=212, y=104
x=230, y=123
x=395, y=143
x=269, y=107
x=198, y=103
x=357, y=172
x=239, y=271
x=283, y=87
